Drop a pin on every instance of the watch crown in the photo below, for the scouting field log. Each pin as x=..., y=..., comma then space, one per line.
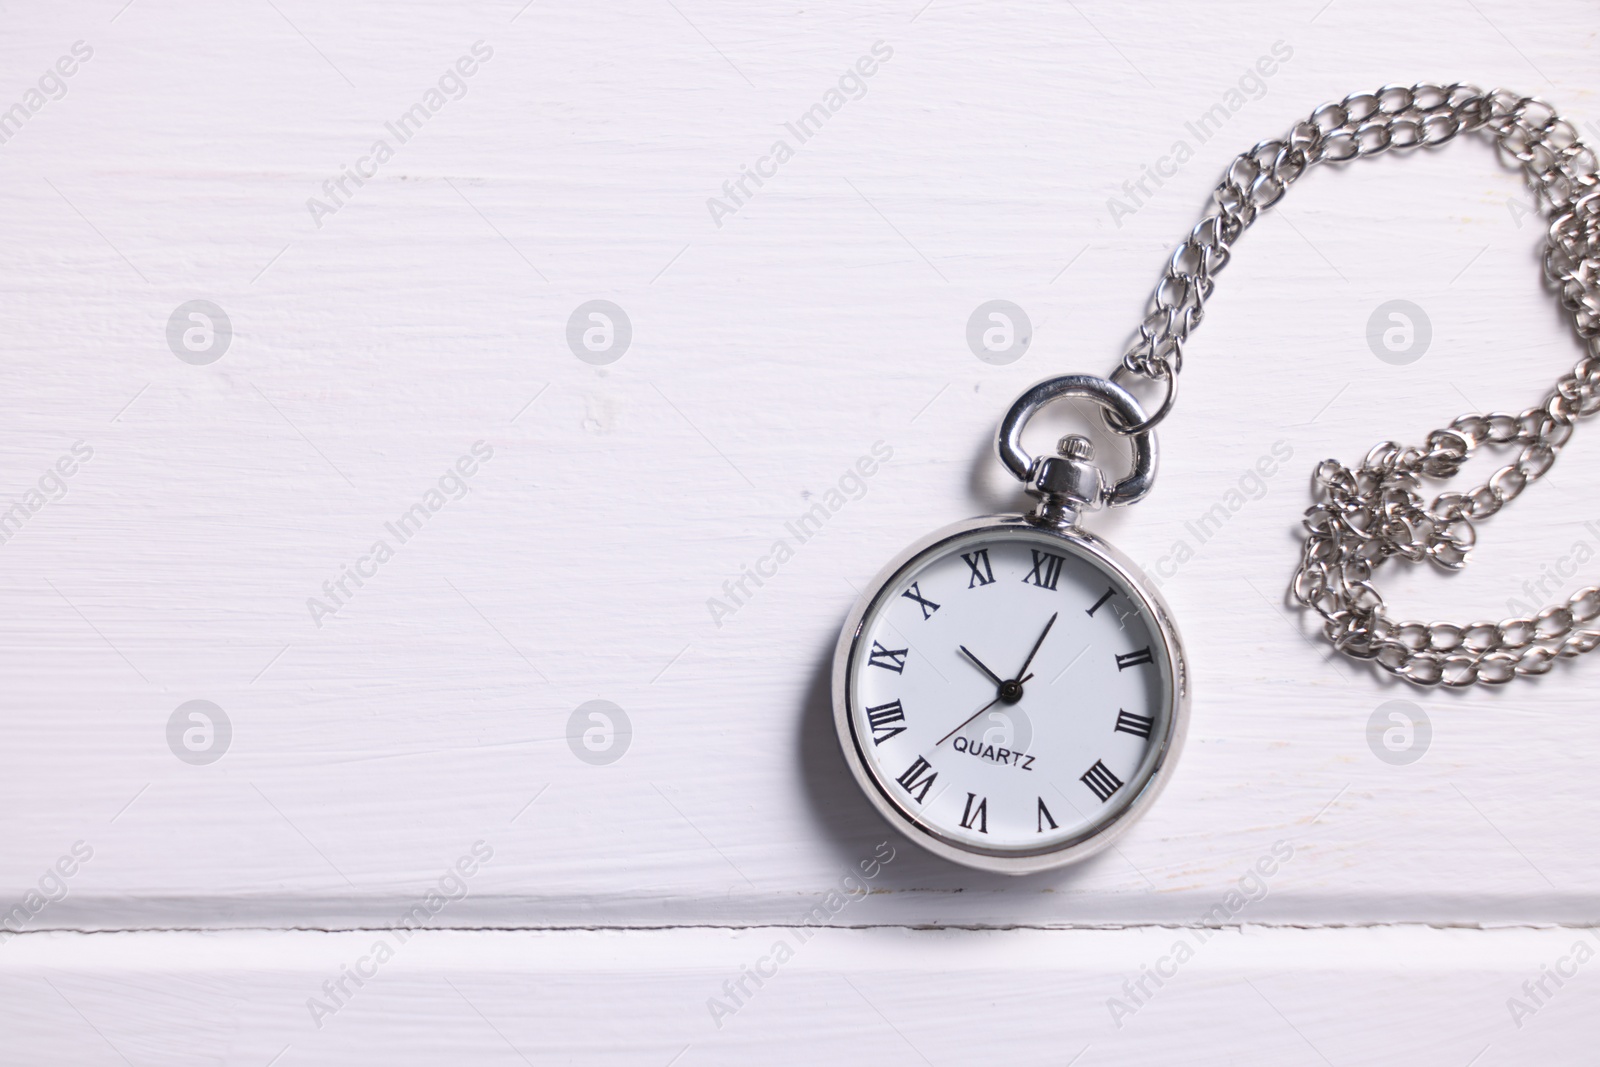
x=1068, y=482
x=1076, y=446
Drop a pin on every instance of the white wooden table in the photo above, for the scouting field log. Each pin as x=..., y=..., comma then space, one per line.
x=393, y=852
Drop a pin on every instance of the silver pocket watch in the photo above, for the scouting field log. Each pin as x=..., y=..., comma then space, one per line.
x=1012, y=697
x=1008, y=693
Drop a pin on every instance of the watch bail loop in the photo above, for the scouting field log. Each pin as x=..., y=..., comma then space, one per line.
x=1069, y=482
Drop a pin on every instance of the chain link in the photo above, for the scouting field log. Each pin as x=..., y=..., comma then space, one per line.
x=1366, y=515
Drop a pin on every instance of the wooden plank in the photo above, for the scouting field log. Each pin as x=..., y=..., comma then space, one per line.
x=1084, y=997
x=429, y=313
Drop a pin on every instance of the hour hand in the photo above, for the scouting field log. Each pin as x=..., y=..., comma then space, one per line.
x=978, y=663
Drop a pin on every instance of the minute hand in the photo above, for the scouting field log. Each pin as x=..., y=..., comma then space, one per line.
x=1036, y=645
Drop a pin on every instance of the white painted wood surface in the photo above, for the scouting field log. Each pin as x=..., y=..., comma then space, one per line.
x=828, y=313
x=1400, y=995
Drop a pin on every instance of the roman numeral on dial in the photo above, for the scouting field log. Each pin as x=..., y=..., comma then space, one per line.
x=978, y=815
x=914, y=782
x=928, y=607
x=1044, y=817
x=1098, y=604
x=890, y=659
x=1046, y=569
x=882, y=719
x=1129, y=723
x=978, y=563
x=1101, y=782
x=1133, y=659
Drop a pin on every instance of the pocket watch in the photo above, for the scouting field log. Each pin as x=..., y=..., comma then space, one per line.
x=1008, y=692
x=1011, y=695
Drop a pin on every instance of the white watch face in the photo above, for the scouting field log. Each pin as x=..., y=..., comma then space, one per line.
x=1009, y=692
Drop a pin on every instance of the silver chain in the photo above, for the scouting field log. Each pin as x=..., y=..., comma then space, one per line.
x=1366, y=515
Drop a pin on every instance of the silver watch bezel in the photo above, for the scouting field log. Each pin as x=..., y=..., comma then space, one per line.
x=1073, y=849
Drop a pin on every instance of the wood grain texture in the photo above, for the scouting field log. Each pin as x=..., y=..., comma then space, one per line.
x=1401, y=995
x=374, y=345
